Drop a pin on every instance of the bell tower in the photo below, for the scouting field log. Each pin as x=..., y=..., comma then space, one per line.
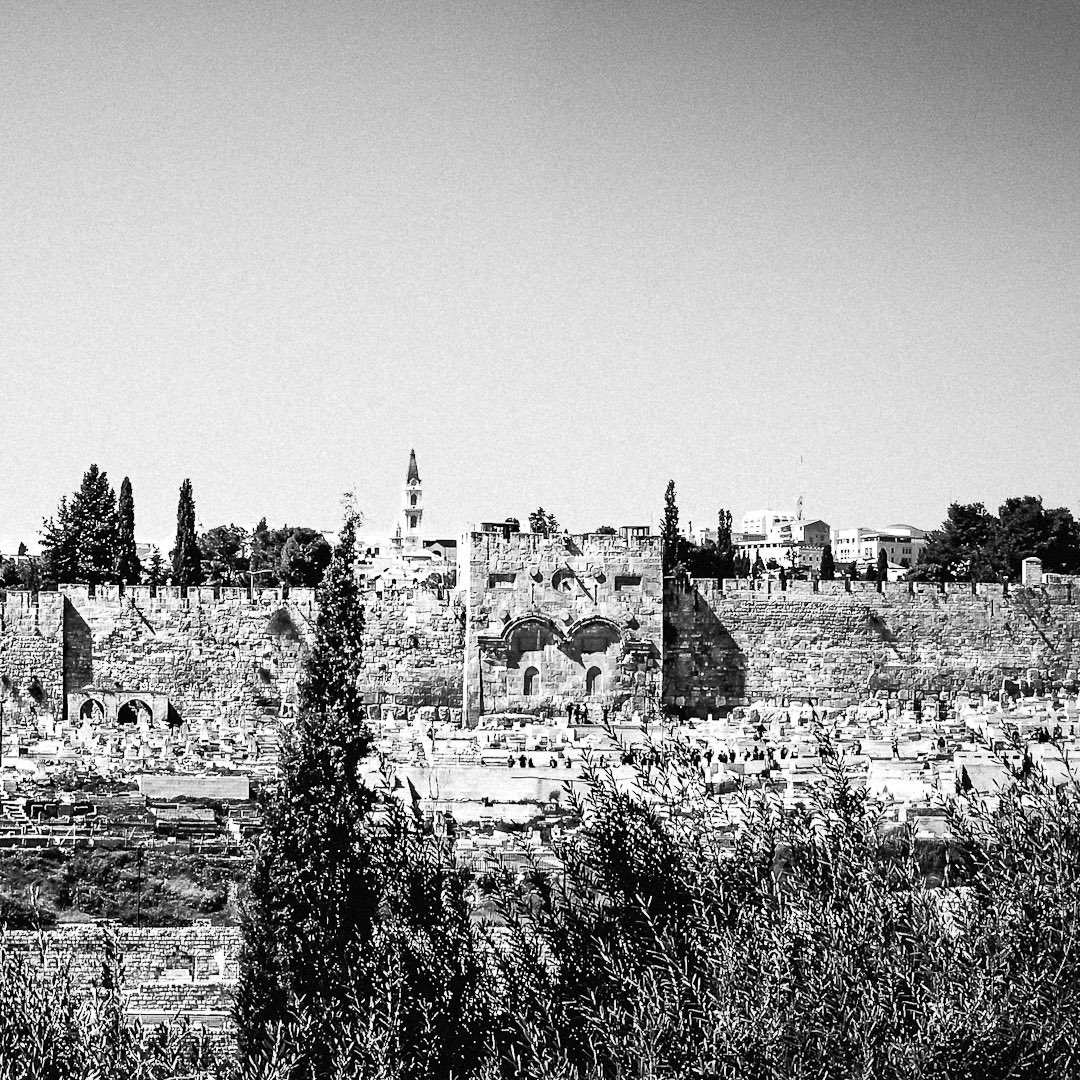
x=412, y=504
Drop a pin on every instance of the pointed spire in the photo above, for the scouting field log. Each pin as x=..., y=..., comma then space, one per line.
x=412, y=474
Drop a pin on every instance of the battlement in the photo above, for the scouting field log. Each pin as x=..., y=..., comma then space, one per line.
x=895, y=592
x=484, y=545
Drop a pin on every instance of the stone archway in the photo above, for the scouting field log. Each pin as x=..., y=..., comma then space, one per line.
x=132, y=711
x=91, y=711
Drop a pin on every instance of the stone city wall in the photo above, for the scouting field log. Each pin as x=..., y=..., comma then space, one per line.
x=232, y=657
x=200, y=656
x=728, y=645
x=32, y=650
x=413, y=642
x=560, y=619
x=541, y=622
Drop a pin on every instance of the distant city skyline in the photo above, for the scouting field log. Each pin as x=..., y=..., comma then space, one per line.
x=567, y=251
x=381, y=520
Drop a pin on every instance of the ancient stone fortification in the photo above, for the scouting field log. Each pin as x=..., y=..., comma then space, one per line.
x=32, y=647
x=727, y=646
x=539, y=622
x=229, y=657
x=559, y=619
x=413, y=648
x=203, y=655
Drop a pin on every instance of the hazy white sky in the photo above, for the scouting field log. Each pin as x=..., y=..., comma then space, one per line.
x=567, y=251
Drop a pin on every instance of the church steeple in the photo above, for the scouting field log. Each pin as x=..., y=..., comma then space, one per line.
x=412, y=503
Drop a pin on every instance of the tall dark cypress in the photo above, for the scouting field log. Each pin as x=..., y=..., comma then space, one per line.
x=127, y=561
x=828, y=564
x=670, y=528
x=350, y=911
x=186, y=557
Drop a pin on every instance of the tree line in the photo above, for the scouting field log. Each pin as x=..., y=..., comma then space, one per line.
x=972, y=544
x=90, y=539
x=976, y=545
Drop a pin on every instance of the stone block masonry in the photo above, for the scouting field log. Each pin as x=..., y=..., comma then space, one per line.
x=32, y=650
x=229, y=657
x=726, y=646
x=165, y=973
x=214, y=659
x=413, y=645
x=538, y=623
x=562, y=619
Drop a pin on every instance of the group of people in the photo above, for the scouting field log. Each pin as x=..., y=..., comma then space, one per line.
x=526, y=762
x=578, y=713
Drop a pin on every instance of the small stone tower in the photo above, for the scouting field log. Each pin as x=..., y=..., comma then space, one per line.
x=412, y=504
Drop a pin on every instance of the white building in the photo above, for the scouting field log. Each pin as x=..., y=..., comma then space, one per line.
x=765, y=522
x=901, y=544
x=792, y=543
x=847, y=545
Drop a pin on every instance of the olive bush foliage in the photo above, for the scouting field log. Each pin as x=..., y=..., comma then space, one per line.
x=682, y=936
x=689, y=938
x=50, y=1030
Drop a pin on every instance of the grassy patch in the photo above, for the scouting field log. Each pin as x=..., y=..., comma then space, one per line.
x=43, y=887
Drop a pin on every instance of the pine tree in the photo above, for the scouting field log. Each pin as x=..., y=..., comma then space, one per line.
x=828, y=564
x=93, y=520
x=353, y=927
x=154, y=572
x=79, y=543
x=669, y=530
x=186, y=558
x=59, y=554
x=127, y=561
x=543, y=523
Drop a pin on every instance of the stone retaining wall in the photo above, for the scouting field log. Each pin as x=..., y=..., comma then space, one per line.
x=164, y=973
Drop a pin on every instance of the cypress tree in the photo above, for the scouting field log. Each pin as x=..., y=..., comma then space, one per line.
x=127, y=561
x=882, y=566
x=725, y=548
x=828, y=564
x=186, y=558
x=355, y=933
x=670, y=529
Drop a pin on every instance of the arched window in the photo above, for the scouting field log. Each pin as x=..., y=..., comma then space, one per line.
x=594, y=681
x=531, y=682
x=412, y=499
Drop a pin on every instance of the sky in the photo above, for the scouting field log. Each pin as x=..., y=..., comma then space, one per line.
x=567, y=251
